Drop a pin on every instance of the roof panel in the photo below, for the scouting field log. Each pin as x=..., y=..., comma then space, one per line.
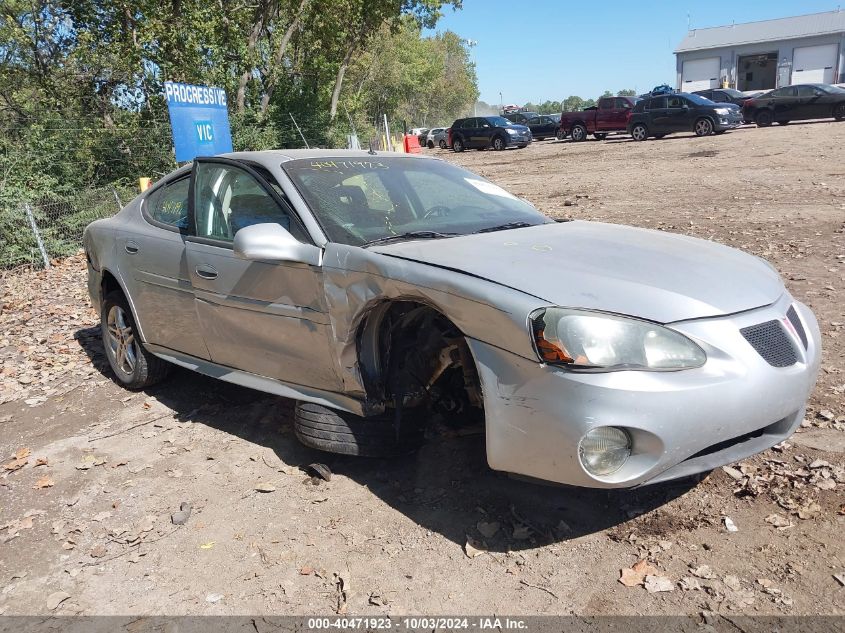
x=764, y=31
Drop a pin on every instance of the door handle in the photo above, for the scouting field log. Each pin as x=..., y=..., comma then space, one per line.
x=206, y=272
x=131, y=247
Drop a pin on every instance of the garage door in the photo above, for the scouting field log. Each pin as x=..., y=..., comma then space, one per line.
x=700, y=74
x=814, y=64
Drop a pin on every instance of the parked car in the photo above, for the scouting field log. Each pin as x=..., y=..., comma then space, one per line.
x=543, y=127
x=486, y=131
x=436, y=138
x=796, y=103
x=609, y=115
x=681, y=112
x=723, y=95
x=522, y=116
x=382, y=290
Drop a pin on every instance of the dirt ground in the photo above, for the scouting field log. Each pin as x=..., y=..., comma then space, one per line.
x=93, y=473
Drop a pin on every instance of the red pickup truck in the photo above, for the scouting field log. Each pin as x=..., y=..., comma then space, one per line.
x=609, y=115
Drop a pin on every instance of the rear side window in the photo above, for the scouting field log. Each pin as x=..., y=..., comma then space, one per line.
x=606, y=104
x=658, y=103
x=677, y=102
x=169, y=204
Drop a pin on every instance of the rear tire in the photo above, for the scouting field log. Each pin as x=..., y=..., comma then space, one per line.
x=578, y=132
x=764, y=118
x=430, y=144
x=134, y=367
x=347, y=434
x=458, y=145
x=442, y=144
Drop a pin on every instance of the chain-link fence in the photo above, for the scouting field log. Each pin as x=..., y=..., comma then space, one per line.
x=31, y=231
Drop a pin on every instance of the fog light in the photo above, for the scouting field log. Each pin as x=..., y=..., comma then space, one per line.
x=603, y=450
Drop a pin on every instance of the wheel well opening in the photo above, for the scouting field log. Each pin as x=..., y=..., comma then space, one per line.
x=413, y=356
x=109, y=284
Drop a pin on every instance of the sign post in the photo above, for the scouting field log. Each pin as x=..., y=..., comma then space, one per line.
x=199, y=118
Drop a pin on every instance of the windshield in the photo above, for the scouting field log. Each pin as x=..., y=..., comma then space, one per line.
x=358, y=200
x=736, y=94
x=498, y=121
x=828, y=88
x=698, y=99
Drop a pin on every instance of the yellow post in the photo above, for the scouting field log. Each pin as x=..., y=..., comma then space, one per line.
x=144, y=183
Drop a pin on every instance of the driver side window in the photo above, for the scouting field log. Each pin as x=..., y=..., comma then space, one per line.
x=227, y=199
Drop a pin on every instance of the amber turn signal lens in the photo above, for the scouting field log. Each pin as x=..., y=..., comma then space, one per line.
x=551, y=351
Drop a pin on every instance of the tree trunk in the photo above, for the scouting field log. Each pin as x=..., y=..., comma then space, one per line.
x=261, y=14
x=338, y=82
x=273, y=75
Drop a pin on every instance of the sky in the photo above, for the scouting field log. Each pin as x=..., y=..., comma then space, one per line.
x=538, y=50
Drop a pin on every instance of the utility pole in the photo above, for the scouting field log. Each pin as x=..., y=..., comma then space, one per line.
x=470, y=45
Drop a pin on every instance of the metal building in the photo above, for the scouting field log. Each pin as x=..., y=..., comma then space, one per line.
x=764, y=55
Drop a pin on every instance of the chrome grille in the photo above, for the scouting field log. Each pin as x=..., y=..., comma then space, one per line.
x=792, y=315
x=772, y=343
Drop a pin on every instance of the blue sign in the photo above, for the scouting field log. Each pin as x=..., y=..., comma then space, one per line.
x=200, y=120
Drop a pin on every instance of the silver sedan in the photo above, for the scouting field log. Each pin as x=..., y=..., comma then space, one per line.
x=385, y=291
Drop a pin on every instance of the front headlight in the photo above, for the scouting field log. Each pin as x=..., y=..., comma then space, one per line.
x=723, y=111
x=512, y=131
x=594, y=340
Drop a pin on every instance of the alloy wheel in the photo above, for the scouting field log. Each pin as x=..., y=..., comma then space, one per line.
x=703, y=127
x=639, y=133
x=121, y=340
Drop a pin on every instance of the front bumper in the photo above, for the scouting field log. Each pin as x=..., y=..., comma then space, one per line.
x=681, y=423
x=523, y=139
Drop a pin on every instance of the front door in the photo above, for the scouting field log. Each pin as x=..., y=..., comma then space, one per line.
x=267, y=318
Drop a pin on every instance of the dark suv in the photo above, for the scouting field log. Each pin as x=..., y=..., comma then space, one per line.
x=487, y=131
x=522, y=117
x=681, y=112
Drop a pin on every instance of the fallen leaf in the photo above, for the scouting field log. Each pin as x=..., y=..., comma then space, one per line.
x=41, y=461
x=521, y=532
x=809, y=511
x=688, y=583
x=487, y=530
x=779, y=521
x=264, y=487
x=22, y=453
x=98, y=551
x=635, y=575
x=15, y=464
x=306, y=571
x=658, y=584
x=703, y=571
x=45, y=482
x=55, y=599
x=474, y=548
x=208, y=545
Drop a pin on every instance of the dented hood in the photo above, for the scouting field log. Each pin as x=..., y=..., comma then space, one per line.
x=653, y=275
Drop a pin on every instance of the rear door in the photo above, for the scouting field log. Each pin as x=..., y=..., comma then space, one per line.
x=471, y=131
x=785, y=103
x=680, y=114
x=658, y=116
x=154, y=267
x=267, y=318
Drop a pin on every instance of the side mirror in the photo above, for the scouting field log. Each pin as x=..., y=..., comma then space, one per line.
x=272, y=242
